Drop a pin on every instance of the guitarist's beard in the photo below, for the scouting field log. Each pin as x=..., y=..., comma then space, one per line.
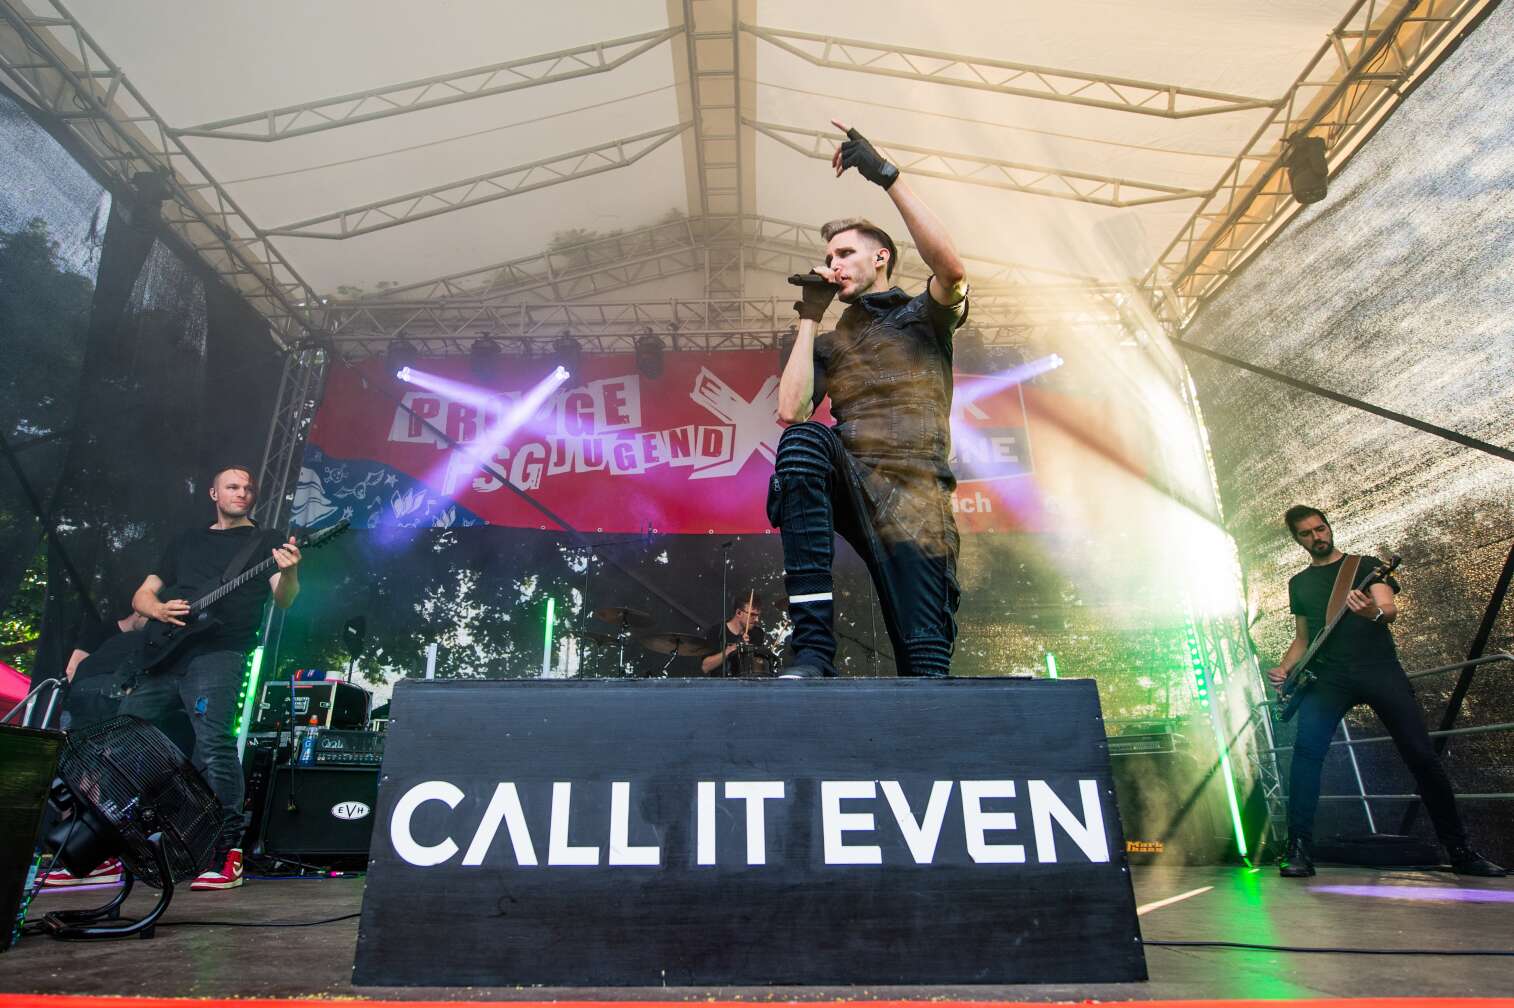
x=1322, y=549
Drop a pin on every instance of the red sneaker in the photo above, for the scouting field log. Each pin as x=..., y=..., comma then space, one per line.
x=227, y=876
x=108, y=873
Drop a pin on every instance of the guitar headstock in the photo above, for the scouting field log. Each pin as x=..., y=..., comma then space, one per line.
x=1384, y=569
x=317, y=539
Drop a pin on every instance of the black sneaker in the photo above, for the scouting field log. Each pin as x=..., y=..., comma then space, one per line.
x=1466, y=861
x=1296, y=861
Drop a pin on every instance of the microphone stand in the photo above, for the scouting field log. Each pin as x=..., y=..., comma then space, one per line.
x=294, y=744
x=725, y=566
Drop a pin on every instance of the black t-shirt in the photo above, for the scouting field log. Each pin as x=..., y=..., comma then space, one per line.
x=192, y=566
x=1357, y=642
x=737, y=664
x=94, y=633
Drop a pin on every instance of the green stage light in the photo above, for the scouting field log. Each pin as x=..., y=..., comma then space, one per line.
x=1201, y=690
x=1051, y=665
x=244, y=699
x=546, y=648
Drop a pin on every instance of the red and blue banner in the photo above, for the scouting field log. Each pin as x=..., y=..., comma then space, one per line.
x=687, y=452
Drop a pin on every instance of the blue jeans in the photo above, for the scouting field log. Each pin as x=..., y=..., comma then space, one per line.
x=205, y=686
x=904, y=532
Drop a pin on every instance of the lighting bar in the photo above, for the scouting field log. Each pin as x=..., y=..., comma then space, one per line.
x=546, y=649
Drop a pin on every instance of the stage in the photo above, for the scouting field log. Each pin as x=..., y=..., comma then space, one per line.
x=1342, y=907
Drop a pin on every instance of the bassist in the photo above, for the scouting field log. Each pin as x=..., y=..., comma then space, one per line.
x=1357, y=664
x=205, y=678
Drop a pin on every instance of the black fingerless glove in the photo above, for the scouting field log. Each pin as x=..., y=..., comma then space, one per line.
x=815, y=294
x=857, y=153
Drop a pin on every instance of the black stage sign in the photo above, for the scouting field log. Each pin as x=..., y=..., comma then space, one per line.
x=717, y=832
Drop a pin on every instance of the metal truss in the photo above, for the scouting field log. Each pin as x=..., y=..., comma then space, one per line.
x=601, y=265
x=1354, y=80
x=300, y=389
x=443, y=328
x=805, y=241
x=55, y=64
x=433, y=92
x=1261, y=754
x=480, y=189
x=724, y=153
x=1023, y=80
x=1038, y=180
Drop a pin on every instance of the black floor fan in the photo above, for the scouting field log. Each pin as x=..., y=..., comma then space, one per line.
x=126, y=791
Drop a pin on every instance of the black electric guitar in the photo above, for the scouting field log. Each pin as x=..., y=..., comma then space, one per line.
x=1291, y=693
x=161, y=641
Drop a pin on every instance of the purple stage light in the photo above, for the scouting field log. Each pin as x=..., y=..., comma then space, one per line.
x=463, y=392
x=982, y=385
x=482, y=451
x=1442, y=894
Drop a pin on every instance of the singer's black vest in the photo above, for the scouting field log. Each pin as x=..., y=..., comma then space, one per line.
x=888, y=370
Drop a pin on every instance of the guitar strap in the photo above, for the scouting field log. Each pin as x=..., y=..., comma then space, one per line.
x=239, y=562
x=1345, y=578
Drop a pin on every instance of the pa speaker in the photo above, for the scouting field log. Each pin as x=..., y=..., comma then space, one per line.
x=29, y=758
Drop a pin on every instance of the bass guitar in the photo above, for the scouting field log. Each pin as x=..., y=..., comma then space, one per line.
x=1291, y=693
x=161, y=641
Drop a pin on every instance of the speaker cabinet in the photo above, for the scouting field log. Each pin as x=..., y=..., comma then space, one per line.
x=28, y=758
x=319, y=811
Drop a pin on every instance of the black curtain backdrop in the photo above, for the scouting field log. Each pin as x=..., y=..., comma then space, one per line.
x=175, y=377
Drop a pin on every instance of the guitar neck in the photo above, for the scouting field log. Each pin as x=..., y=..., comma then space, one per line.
x=267, y=564
x=226, y=589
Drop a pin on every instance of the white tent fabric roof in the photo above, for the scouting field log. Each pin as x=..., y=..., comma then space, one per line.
x=197, y=63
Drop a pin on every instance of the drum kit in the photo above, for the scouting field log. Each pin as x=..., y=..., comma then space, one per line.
x=749, y=658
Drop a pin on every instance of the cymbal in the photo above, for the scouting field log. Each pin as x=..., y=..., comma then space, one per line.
x=624, y=616
x=688, y=645
x=594, y=635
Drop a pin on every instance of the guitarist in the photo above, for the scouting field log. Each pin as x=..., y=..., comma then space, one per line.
x=204, y=680
x=1357, y=664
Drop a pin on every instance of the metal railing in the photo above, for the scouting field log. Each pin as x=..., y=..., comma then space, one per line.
x=28, y=704
x=1350, y=743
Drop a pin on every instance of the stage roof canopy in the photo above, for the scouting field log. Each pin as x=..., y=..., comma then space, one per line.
x=494, y=154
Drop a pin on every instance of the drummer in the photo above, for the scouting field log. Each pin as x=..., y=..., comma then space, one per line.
x=742, y=628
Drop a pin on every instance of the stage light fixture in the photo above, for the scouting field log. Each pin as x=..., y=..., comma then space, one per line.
x=1002, y=358
x=484, y=357
x=967, y=351
x=400, y=357
x=1307, y=167
x=649, y=355
x=569, y=355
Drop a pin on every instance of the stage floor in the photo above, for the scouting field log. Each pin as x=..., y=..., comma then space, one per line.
x=1341, y=907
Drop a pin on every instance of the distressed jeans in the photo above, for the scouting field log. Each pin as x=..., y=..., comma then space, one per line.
x=905, y=534
x=205, y=686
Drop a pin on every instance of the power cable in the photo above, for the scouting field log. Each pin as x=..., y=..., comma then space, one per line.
x=260, y=924
x=1329, y=950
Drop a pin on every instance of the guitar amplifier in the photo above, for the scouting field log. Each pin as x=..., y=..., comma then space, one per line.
x=319, y=812
x=349, y=748
x=333, y=703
